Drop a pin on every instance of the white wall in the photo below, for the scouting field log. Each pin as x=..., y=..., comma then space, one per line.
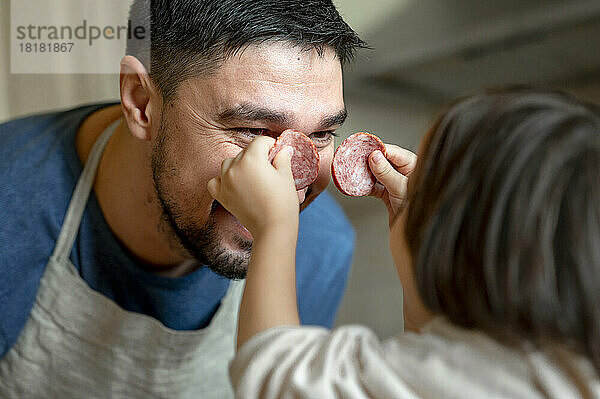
x=22, y=94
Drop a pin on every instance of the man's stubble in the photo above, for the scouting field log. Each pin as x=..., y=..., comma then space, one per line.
x=203, y=242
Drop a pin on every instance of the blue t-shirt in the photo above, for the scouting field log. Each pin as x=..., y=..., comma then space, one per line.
x=39, y=168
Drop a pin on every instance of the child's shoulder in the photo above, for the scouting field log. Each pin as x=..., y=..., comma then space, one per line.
x=445, y=360
x=441, y=361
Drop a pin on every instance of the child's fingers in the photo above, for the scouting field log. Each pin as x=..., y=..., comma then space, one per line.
x=377, y=191
x=239, y=155
x=225, y=165
x=404, y=161
x=213, y=186
x=283, y=159
x=384, y=172
x=260, y=147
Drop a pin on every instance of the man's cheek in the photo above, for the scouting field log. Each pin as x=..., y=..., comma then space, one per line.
x=207, y=166
x=215, y=160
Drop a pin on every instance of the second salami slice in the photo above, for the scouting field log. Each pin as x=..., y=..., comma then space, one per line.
x=305, y=160
x=350, y=167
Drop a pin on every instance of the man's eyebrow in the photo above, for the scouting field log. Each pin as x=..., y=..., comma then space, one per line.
x=252, y=112
x=333, y=120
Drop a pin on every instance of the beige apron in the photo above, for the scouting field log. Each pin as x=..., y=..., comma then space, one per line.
x=78, y=343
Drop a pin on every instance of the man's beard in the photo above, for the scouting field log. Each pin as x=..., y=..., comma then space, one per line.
x=202, y=242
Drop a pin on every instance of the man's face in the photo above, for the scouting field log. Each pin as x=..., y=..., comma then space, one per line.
x=265, y=89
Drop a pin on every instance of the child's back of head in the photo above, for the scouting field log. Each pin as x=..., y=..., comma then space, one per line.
x=503, y=223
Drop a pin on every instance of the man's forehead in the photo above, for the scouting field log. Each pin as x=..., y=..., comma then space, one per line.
x=274, y=83
x=283, y=63
x=225, y=104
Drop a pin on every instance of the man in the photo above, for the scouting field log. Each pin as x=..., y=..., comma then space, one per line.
x=128, y=293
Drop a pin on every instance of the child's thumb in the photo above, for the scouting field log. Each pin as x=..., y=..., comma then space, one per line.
x=283, y=159
x=385, y=173
x=213, y=186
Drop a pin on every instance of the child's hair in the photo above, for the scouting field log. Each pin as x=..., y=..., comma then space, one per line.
x=503, y=223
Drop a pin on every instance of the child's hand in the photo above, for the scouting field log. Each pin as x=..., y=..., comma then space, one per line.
x=392, y=175
x=259, y=194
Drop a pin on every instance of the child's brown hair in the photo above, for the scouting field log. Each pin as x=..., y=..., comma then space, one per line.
x=503, y=223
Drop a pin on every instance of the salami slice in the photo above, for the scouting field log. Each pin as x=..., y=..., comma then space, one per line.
x=305, y=161
x=350, y=167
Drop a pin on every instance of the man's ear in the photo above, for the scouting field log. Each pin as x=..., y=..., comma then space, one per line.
x=140, y=99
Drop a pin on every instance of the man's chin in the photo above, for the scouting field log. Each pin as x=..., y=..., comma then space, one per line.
x=232, y=233
x=228, y=256
x=221, y=244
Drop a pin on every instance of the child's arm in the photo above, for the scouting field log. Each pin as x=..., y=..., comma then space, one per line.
x=392, y=189
x=289, y=361
x=264, y=199
x=269, y=298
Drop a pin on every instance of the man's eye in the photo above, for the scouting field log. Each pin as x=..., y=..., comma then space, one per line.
x=250, y=132
x=323, y=137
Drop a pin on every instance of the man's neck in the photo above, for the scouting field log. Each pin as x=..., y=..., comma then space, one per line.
x=126, y=194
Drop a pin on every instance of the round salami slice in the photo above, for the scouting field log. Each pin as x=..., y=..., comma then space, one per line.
x=350, y=167
x=305, y=160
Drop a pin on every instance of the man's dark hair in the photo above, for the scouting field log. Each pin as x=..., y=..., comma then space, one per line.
x=503, y=223
x=192, y=37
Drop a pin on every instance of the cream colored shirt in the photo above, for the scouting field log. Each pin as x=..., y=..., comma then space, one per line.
x=443, y=361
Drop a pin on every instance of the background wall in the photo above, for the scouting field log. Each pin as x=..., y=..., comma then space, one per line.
x=393, y=91
x=21, y=94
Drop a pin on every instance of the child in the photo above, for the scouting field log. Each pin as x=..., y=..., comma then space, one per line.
x=498, y=251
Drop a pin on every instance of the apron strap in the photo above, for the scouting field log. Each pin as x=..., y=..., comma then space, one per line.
x=70, y=226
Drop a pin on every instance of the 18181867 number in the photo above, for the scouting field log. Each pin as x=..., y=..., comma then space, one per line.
x=44, y=47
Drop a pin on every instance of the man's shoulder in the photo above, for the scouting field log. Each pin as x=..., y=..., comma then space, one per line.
x=27, y=135
x=323, y=259
x=326, y=232
x=324, y=216
x=39, y=170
